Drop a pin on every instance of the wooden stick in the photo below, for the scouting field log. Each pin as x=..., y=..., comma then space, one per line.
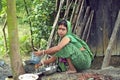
x=53, y=28
x=108, y=51
x=76, y=14
x=67, y=10
x=78, y=28
x=54, y=24
x=77, y=21
x=82, y=25
x=86, y=26
x=67, y=3
x=73, y=11
x=92, y=12
x=56, y=4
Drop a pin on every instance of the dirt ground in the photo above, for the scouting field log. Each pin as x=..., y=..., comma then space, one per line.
x=94, y=73
x=106, y=74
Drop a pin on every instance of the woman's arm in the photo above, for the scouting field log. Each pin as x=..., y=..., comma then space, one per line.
x=54, y=49
x=45, y=62
x=50, y=60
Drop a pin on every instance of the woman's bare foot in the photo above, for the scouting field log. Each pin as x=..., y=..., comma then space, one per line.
x=71, y=67
x=71, y=71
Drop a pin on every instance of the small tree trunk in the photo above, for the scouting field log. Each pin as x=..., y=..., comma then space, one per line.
x=16, y=62
x=108, y=51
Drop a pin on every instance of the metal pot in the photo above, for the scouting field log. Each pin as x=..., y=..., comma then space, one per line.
x=50, y=70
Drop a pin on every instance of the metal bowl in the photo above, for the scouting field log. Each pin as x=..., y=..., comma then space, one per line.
x=50, y=70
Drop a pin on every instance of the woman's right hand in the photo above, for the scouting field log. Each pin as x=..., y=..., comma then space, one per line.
x=38, y=65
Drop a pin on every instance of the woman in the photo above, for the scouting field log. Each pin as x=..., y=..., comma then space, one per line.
x=70, y=47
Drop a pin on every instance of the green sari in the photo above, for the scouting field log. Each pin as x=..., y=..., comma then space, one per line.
x=80, y=59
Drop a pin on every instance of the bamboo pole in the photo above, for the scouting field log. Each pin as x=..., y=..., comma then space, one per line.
x=53, y=28
x=77, y=21
x=76, y=14
x=54, y=24
x=67, y=3
x=90, y=25
x=87, y=25
x=108, y=51
x=80, y=28
x=73, y=11
x=67, y=10
x=56, y=4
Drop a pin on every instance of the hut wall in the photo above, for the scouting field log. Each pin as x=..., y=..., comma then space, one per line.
x=106, y=12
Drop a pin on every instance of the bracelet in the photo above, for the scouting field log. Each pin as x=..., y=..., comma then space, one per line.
x=43, y=52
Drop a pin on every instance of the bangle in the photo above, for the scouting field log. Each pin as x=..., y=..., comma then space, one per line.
x=43, y=52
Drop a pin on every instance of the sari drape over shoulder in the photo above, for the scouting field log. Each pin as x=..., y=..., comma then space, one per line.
x=80, y=59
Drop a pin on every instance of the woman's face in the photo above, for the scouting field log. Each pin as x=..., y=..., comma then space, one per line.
x=62, y=30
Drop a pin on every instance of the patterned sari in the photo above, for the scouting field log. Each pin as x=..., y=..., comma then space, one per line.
x=80, y=59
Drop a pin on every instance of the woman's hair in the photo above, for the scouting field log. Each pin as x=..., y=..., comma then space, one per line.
x=62, y=22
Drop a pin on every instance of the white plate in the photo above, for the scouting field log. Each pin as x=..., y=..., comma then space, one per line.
x=28, y=77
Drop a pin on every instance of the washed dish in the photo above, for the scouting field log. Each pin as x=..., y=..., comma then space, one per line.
x=28, y=77
x=50, y=70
